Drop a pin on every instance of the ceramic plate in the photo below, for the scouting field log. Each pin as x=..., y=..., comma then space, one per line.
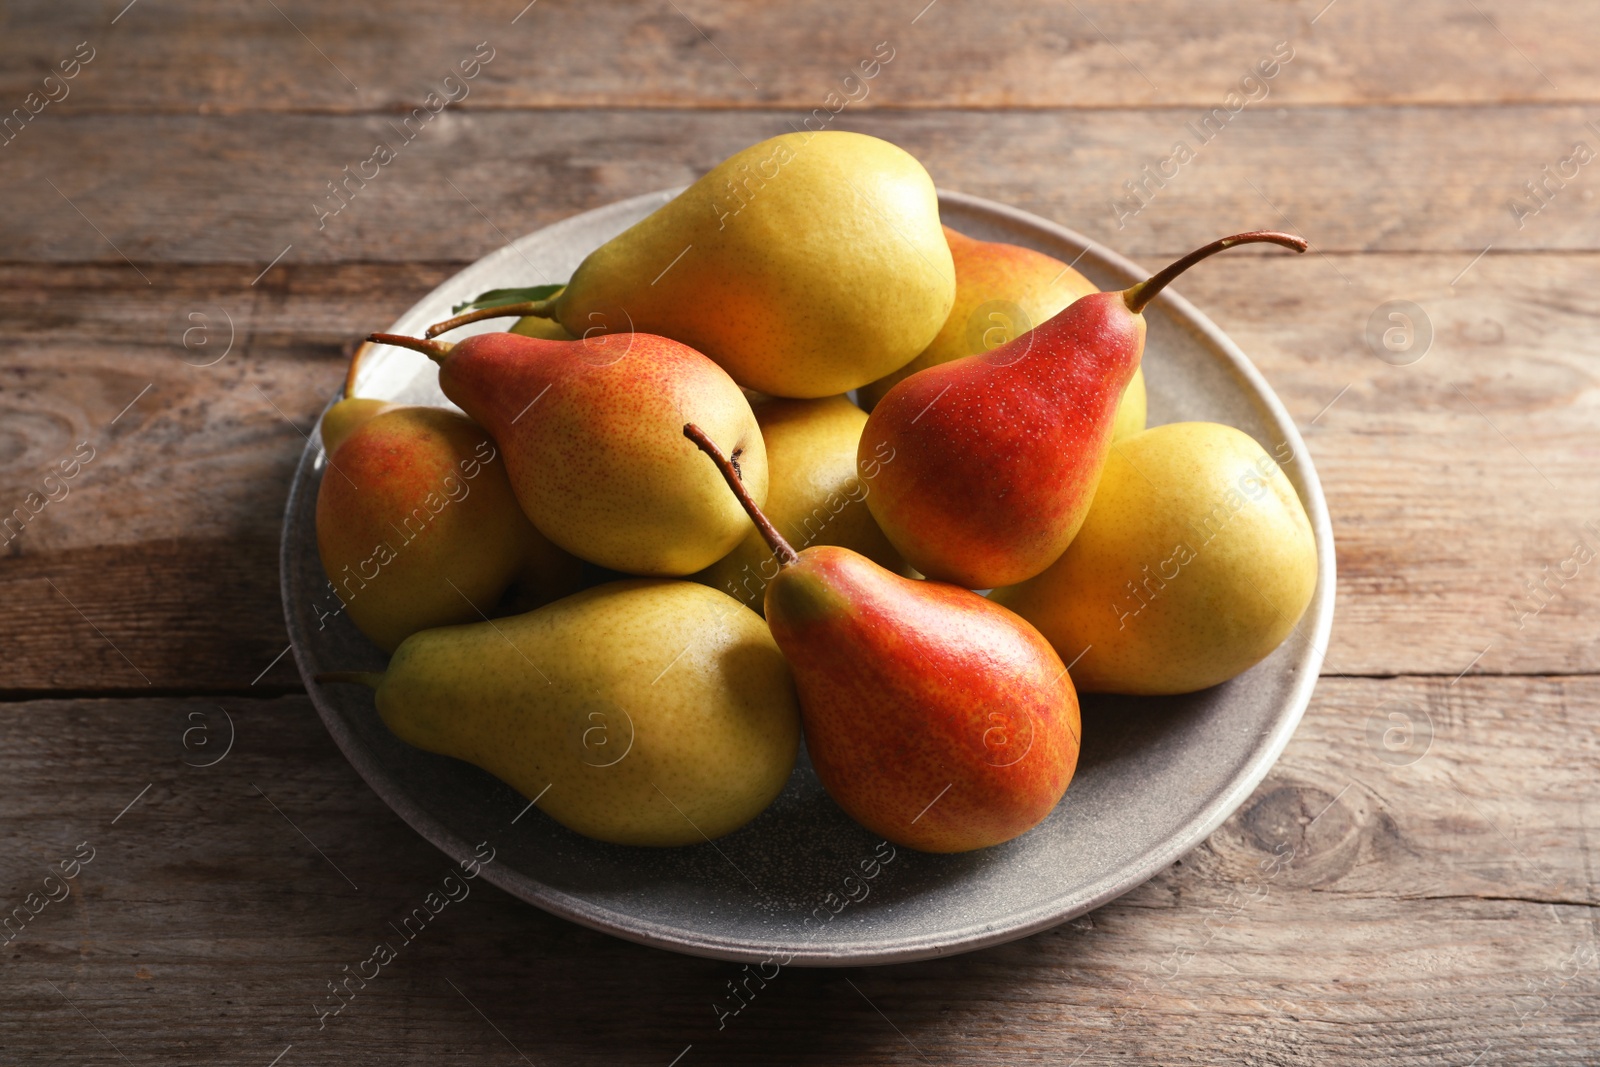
x=802, y=883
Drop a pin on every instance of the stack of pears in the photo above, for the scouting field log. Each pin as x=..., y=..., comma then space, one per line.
x=658, y=542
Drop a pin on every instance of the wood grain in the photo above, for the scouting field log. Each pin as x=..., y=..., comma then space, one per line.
x=158, y=567
x=1429, y=911
x=1442, y=911
x=248, y=189
x=167, y=543
x=721, y=54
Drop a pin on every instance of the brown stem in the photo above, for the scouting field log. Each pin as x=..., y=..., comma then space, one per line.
x=539, y=309
x=434, y=350
x=1139, y=295
x=780, y=548
x=370, y=679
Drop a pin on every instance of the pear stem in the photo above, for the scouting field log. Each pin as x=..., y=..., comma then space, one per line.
x=434, y=350
x=370, y=679
x=1139, y=295
x=539, y=309
x=780, y=548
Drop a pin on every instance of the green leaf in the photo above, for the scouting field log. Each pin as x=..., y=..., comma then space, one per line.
x=497, y=297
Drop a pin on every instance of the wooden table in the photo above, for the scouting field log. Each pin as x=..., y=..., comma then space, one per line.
x=171, y=308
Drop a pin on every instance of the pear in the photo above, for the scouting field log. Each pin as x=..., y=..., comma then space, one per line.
x=549, y=329
x=806, y=265
x=640, y=712
x=589, y=432
x=350, y=411
x=1195, y=562
x=933, y=716
x=1002, y=291
x=1131, y=409
x=342, y=419
x=998, y=454
x=815, y=495
x=417, y=526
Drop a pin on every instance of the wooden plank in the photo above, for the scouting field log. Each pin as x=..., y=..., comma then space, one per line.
x=192, y=613
x=1436, y=911
x=194, y=56
x=156, y=563
x=295, y=304
x=1433, y=912
x=167, y=541
x=228, y=190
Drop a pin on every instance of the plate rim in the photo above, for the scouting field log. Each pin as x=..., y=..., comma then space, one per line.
x=1222, y=804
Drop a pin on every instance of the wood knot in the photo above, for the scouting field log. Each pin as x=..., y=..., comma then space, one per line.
x=1313, y=833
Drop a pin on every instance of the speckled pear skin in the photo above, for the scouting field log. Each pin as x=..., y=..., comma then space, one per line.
x=997, y=455
x=592, y=436
x=815, y=494
x=933, y=717
x=640, y=712
x=417, y=498
x=811, y=263
x=1132, y=409
x=1196, y=561
x=1003, y=290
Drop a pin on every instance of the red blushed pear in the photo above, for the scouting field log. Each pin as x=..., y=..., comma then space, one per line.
x=934, y=717
x=417, y=526
x=589, y=430
x=997, y=455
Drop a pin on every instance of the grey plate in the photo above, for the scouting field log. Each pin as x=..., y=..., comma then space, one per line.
x=1155, y=778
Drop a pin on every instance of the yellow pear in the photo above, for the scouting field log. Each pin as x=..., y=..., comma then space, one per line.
x=548, y=329
x=1131, y=409
x=640, y=712
x=341, y=419
x=815, y=495
x=1195, y=562
x=1003, y=291
x=806, y=265
x=344, y=417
